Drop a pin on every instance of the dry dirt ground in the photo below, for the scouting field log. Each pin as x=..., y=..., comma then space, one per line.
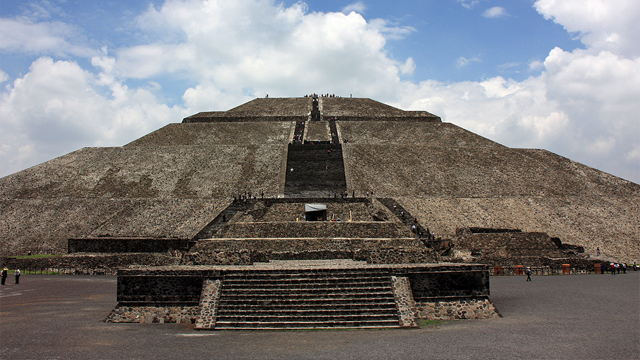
x=552, y=317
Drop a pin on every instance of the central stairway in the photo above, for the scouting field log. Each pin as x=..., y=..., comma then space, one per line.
x=306, y=299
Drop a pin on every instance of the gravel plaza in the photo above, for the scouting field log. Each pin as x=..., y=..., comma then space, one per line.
x=552, y=317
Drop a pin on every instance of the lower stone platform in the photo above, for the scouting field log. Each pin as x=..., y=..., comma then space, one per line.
x=303, y=294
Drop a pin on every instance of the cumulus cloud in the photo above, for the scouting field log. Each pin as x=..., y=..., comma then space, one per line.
x=251, y=47
x=602, y=24
x=581, y=104
x=59, y=107
x=495, y=12
x=24, y=36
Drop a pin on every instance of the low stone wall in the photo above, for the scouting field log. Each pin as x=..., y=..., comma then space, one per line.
x=440, y=284
x=576, y=263
x=248, y=251
x=206, y=256
x=154, y=314
x=172, y=294
x=127, y=245
x=316, y=229
x=401, y=256
x=457, y=309
x=508, y=243
x=90, y=264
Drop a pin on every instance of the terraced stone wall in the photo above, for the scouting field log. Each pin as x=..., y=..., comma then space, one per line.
x=120, y=245
x=373, y=251
x=312, y=229
x=168, y=184
x=448, y=178
x=509, y=244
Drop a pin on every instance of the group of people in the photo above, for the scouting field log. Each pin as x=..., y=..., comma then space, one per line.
x=617, y=268
x=315, y=96
x=5, y=274
x=248, y=195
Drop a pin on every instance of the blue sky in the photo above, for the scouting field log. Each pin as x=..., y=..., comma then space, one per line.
x=558, y=75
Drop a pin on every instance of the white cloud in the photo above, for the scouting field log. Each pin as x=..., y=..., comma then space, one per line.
x=633, y=155
x=463, y=61
x=536, y=65
x=391, y=31
x=611, y=25
x=495, y=12
x=408, y=67
x=469, y=4
x=58, y=107
x=251, y=44
x=358, y=7
x=22, y=35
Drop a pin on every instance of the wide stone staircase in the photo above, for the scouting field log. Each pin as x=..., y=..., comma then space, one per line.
x=306, y=299
x=314, y=170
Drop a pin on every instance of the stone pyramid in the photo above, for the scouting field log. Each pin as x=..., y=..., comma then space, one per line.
x=173, y=182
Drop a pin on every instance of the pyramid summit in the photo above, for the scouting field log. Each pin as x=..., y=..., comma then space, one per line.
x=173, y=184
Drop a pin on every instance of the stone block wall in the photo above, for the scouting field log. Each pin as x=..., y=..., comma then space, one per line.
x=91, y=264
x=326, y=229
x=457, y=309
x=247, y=251
x=443, y=284
x=127, y=245
x=508, y=244
x=184, y=290
x=154, y=314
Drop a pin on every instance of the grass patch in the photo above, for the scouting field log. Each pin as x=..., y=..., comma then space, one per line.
x=33, y=272
x=429, y=323
x=37, y=256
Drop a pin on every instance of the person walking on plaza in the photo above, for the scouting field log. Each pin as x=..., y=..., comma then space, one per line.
x=17, y=274
x=5, y=273
x=528, y=272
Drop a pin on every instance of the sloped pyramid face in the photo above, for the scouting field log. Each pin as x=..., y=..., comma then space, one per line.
x=173, y=182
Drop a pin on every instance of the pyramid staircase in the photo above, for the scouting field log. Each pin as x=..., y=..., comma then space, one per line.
x=305, y=299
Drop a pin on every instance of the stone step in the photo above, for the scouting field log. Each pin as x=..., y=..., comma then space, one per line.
x=302, y=296
x=304, y=273
x=222, y=325
x=249, y=318
x=310, y=281
x=389, y=309
x=288, y=291
x=292, y=305
x=303, y=287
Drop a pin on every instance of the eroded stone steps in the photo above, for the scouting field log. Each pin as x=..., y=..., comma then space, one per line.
x=300, y=289
x=309, y=304
x=304, y=311
x=301, y=325
x=292, y=283
x=307, y=299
